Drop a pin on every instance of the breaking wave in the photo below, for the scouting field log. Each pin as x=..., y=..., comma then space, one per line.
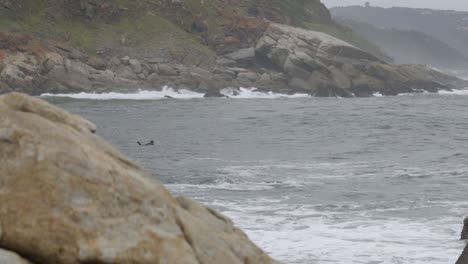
x=455, y=92
x=168, y=93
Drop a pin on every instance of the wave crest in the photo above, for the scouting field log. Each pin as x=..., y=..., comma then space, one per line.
x=167, y=92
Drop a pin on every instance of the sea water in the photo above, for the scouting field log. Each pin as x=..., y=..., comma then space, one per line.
x=310, y=180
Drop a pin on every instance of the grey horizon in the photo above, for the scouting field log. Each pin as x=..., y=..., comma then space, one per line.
x=459, y=5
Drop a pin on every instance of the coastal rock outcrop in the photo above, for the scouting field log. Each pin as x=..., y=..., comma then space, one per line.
x=68, y=197
x=322, y=65
x=284, y=59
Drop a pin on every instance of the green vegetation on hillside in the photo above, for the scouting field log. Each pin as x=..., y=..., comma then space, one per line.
x=166, y=28
x=135, y=29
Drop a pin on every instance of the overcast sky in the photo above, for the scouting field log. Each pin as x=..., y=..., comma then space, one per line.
x=433, y=4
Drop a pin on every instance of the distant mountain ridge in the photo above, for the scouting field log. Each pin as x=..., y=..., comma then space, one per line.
x=450, y=27
x=410, y=46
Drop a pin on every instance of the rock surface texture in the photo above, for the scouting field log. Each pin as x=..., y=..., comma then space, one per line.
x=8, y=257
x=189, y=45
x=463, y=258
x=285, y=59
x=464, y=236
x=68, y=197
x=324, y=66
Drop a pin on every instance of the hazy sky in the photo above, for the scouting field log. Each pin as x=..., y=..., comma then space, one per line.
x=433, y=4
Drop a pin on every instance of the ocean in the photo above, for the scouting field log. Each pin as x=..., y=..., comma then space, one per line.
x=310, y=180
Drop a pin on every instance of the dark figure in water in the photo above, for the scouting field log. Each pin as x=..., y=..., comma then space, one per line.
x=151, y=143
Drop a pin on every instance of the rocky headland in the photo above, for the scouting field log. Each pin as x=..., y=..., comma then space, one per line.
x=69, y=197
x=202, y=48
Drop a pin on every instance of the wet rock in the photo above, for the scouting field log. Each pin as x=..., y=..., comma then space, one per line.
x=103, y=208
x=300, y=85
x=362, y=90
x=332, y=91
x=214, y=93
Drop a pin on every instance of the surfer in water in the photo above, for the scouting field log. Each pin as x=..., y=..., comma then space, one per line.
x=151, y=143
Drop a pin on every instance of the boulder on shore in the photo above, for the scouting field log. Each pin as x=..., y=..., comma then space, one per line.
x=69, y=197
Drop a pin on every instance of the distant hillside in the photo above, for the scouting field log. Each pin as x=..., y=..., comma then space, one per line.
x=63, y=46
x=411, y=46
x=450, y=27
x=176, y=30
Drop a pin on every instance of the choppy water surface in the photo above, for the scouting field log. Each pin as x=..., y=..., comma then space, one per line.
x=377, y=180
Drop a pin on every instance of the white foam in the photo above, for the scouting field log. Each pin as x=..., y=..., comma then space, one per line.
x=455, y=92
x=300, y=234
x=167, y=92
x=270, y=176
x=441, y=92
x=140, y=95
x=253, y=93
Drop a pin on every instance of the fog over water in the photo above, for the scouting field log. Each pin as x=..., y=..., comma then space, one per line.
x=460, y=5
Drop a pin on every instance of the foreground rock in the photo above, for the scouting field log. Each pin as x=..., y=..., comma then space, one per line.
x=464, y=236
x=9, y=257
x=463, y=258
x=464, y=233
x=68, y=197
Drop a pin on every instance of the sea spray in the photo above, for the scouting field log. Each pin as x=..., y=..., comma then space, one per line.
x=170, y=93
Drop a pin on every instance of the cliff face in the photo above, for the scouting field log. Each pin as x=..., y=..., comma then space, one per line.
x=70, y=198
x=96, y=45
